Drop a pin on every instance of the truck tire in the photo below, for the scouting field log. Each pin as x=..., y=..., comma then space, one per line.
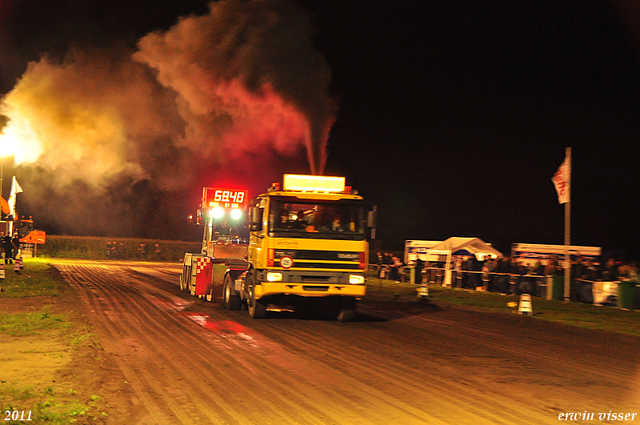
x=257, y=310
x=347, y=310
x=230, y=301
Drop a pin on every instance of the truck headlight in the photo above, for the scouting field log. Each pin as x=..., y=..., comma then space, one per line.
x=274, y=277
x=217, y=212
x=356, y=279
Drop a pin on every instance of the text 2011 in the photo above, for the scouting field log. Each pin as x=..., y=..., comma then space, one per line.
x=17, y=415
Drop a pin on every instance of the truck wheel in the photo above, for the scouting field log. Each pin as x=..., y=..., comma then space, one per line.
x=257, y=310
x=347, y=310
x=230, y=301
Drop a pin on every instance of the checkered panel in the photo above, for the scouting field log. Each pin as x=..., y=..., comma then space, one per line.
x=202, y=263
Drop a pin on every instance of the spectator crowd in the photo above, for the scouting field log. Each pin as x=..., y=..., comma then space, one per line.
x=508, y=275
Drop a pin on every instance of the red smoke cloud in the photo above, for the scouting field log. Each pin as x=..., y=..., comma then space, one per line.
x=269, y=120
x=246, y=75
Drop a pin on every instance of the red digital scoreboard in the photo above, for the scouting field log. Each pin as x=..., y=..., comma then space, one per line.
x=224, y=198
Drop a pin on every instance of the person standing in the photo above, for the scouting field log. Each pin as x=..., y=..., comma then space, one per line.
x=610, y=273
x=468, y=278
x=592, y=273
x=419, y=265
x=16, y=245
x=458, y=269
x=8, y=251
x=395, y=269
x=380, y=264
x=487, y=269
x=577, y=278
x=514, y=276
x=388, y=262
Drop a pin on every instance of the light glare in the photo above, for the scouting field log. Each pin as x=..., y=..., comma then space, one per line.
x=18, y=139
x=217, y=212
x=274, y=277
x=356, y=279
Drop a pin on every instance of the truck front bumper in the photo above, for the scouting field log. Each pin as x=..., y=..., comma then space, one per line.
x=310, y=290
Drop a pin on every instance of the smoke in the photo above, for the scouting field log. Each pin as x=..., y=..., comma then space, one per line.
x=239, y=85
x=88, y=119
x=246, y=75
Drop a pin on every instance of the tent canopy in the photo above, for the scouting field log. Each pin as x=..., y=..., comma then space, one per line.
x=468, y=246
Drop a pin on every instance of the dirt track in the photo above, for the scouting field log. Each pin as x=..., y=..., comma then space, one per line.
x=191, y=362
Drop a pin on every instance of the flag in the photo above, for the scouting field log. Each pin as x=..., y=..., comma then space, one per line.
x=561, y=182
x=15, y=189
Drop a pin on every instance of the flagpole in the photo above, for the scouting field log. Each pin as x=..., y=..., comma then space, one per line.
x=567, y=231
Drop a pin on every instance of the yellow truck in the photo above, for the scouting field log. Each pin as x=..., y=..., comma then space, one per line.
x=307, y=249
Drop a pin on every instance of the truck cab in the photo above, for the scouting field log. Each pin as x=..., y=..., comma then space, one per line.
x=307, y=244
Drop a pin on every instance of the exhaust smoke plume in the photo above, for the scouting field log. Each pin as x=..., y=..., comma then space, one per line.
x=240, y=84
x=246, y=75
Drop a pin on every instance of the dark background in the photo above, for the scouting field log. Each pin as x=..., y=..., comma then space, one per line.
x=453, y=116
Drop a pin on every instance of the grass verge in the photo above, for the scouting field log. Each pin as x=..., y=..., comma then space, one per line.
x=583, y=315
x=38, y=279
x=43, y=344
x=30, y=323
x=49, y=405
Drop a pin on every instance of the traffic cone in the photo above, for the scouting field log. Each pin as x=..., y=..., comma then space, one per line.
x=19, y=260
x=525, y=305
x=423, y=291
x=16, y=267
x=2, y=272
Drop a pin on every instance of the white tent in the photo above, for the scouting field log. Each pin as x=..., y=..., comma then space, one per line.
x=472, y=246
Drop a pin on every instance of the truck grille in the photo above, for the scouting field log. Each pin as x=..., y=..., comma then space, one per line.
x=299, y=254
x=308, y=259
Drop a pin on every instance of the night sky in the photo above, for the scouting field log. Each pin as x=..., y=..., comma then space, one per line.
x=451, y=117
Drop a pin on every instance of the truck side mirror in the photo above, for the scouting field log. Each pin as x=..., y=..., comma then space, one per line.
x=196, y=219
x=256, y=219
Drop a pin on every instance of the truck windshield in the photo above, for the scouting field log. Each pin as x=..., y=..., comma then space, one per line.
x=292, y=217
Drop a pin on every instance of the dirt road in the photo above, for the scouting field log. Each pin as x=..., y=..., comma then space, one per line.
x=400, y=362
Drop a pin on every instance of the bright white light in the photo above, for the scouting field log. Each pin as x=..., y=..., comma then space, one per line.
x=274, y=277
x=18, y=139
x=217, y=212
x=236, y=214
x=313, y=183
x=356, y=279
